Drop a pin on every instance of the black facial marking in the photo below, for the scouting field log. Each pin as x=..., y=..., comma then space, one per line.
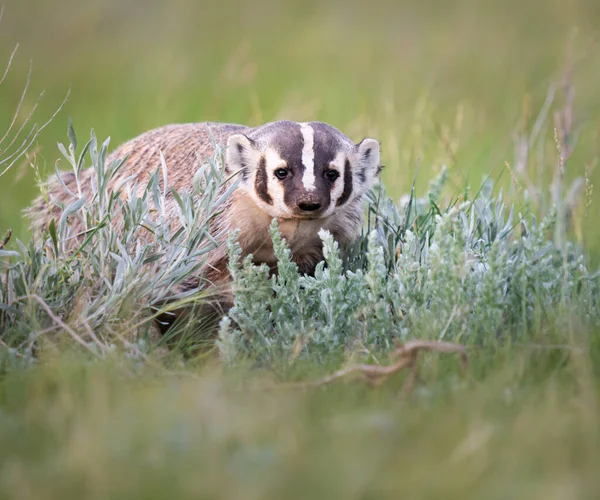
x=347, y=184
x=288, y=143
x=326, y=147
x=260, y=183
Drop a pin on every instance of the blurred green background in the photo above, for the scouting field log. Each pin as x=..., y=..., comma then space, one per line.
x=436, y=82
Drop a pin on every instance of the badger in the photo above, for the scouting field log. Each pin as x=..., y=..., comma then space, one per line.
x=308, y=176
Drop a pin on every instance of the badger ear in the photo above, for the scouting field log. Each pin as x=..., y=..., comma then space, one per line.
x=368, y=162
x=241, y=155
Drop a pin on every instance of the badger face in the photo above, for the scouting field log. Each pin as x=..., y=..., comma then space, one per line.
x=302, y=170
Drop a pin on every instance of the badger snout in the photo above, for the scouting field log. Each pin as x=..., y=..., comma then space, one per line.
x=309, y=206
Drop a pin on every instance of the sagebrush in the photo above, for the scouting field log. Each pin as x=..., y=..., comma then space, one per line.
x=475, y=271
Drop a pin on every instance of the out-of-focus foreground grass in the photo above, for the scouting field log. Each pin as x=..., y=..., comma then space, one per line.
x=523, y=425
x=436, y=82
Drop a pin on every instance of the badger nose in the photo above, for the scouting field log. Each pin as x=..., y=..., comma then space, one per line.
x=309, y=206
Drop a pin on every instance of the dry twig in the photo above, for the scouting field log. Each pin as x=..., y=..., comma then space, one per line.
x=406, y=355
x=58, y=321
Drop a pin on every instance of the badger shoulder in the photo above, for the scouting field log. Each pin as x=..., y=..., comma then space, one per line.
x=184, y=146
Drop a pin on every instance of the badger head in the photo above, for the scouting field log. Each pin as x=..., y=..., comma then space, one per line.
x=302, y=170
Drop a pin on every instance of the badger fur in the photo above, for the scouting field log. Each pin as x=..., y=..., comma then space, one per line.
x=309, y=176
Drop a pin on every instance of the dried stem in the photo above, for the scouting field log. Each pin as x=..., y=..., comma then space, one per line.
x=406, y=355
x=9, y=64
x=58, y=321
x=30, y=140
x=9, y=159
x=19, y=105
x=24, y=124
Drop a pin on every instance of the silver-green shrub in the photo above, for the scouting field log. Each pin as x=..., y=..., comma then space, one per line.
x=475, y=273
x=127, y=269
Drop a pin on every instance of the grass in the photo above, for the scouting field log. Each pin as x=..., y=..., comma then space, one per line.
x=524, y=424
x=461, y=87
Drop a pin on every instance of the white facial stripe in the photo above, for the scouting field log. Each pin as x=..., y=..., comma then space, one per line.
x=308, y=156
x=338, y=187
x=278, y=208
x=274, y=161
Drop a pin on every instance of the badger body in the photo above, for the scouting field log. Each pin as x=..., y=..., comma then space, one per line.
x=309, y=176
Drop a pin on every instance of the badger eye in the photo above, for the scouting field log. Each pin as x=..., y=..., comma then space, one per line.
x=332, y=175
x=281, y=173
